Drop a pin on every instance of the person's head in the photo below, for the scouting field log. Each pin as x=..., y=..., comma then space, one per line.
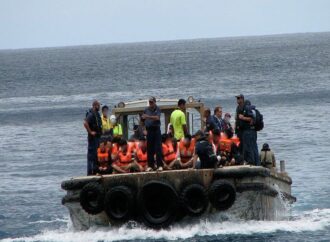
x=199, y=135
x=123, y=145
x=187, y=140
x=105, y=110
x=216, y=135
x=116, y=140
x=143, y=143
x=227, y=117
x=182, y=104
x=165, y=138
x=96, y=105
x=113, y=119
x=207, y=113
x=240, y=99
x=265, y=147
x=218, y=112
x=247, y=103
x=152, y=102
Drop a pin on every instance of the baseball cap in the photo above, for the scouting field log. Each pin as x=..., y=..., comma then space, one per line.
x=240, y=96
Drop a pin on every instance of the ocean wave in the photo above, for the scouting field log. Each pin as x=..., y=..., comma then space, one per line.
x=318, y=219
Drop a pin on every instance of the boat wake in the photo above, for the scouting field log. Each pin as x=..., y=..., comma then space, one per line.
x=318, y=219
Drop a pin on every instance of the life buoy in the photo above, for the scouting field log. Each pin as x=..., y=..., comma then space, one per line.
x=92, y=198
x=119, y=203
x=158, y=204
x=194, y=199
x=186, y=153
x=222, y=195
x=168, y=153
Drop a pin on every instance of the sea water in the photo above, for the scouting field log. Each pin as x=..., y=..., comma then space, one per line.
x=44, y=95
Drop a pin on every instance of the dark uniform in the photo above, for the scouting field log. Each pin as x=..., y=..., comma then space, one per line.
x=248, y=137
x=95, y=123
x=205, y=152
x=154, y=145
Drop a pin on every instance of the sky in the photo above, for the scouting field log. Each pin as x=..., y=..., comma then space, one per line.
x=47, y=23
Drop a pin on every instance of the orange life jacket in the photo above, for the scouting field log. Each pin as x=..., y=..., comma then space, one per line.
x=142, y=157
x=125, y=158
x=102, y=156
x=168, y=153
x=186, y=153
x=225, y=144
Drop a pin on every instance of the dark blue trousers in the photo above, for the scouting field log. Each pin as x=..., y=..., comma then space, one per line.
x=154, y=147
x=250, y=147
x=93, y=144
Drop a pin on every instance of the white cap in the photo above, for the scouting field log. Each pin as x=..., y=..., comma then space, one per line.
x=113, y=119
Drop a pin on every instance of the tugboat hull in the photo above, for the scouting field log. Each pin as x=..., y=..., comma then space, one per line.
x=159, y=199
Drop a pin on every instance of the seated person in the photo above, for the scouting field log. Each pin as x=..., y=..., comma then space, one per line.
x=267, y=157
x=124, y=160
x=215, y=140
x=204, y=151
x=116, y=128
x=141, y=158
x=187, y=151
x=169, y=154
x=114, y=148
x=103, y=158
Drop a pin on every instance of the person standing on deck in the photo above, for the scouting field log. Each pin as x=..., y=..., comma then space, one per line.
x=218, y=118
x=239, y=126
x=178, y=120
x=93, y=126
x=151, y=116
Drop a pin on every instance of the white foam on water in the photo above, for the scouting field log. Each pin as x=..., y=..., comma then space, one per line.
x=318, y=219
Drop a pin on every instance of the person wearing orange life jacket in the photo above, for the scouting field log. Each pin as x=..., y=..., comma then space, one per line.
x=114, y=148
x=169, y=153
x=124, y=160
x=187, y=151
x=141, y=155
x=103, y=158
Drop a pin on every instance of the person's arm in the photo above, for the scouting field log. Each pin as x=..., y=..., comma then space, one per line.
x=184, y=123
x=118, y=169
x=88, y=129
x=247, y=119
x=194, y=160
x=152, y=117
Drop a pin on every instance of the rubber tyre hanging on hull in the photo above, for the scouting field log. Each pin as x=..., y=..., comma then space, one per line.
x=194, y=199
x=119, y=203
x=222, y=195
x=92, y=198
x=158, y=204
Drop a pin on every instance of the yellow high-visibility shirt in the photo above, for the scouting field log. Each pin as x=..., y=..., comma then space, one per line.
x=178, y=118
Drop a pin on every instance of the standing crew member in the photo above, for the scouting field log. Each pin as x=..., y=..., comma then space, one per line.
x=151, y=116
x=117, y=130
x=106, y=125
x=93, y=126
x=238, y=122
x=218, y=118
x=178, y=120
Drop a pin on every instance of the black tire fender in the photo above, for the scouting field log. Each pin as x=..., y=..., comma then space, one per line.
x=158, y=204
x=222, y=194
x=92, y=198
x=194, y=199
x=119, y=203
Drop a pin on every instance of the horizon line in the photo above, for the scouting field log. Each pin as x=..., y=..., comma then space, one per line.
x=165, y=40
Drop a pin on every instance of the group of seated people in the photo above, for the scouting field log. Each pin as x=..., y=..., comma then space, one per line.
x=118, y=155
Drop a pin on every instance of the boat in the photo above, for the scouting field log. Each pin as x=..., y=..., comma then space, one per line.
x=159, y=199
